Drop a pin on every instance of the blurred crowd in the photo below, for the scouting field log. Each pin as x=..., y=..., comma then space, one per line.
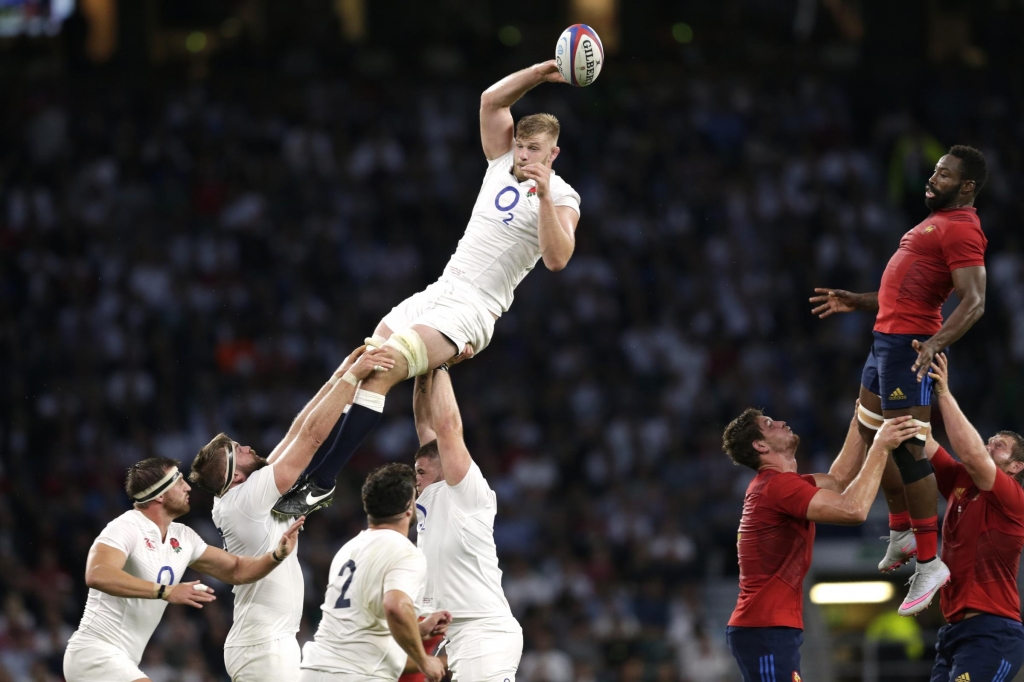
x=181, y=259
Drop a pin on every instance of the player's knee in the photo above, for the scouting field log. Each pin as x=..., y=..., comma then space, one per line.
x=911, y=468
x=411, y=347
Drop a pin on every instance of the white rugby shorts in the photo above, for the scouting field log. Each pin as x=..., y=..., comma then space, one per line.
x=100, y=662
x=451, y=309
x=307, y=675
x=484, y=649
x=274, y=661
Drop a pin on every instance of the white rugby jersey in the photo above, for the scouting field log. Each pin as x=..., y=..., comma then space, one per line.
x=501, y=244
x=129, y=623
x=353, y=636
x=456, y=533
x=270, y=608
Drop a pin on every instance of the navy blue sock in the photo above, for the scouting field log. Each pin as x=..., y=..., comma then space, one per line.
x=325, y=448
x=358, y=424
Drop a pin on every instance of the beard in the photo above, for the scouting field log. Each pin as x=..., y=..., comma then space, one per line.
x=256, y=464
x=941, y=200
x=175, y=508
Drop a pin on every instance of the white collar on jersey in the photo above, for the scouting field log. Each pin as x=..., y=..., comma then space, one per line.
x=230, y=476
x=159, y=488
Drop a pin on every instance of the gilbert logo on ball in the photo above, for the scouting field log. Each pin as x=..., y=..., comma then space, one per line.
x=579, y=55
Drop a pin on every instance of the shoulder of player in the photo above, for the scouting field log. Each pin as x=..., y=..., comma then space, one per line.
x=182, y=532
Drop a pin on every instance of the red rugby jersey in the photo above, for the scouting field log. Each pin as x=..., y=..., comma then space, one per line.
x=429, y=645
x=774, y=545
x=918, y=278
x=982, y=538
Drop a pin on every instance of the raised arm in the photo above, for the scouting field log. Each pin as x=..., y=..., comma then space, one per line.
x=300, y=418
x=317, y=425
x=496, y=126
x=421, y=408
x=401, y=617
x=969, y=284
x=846, y=465
x=963, y=437
x=831, y=301
x=242, y=570
x=852, y=505
x=455, y=459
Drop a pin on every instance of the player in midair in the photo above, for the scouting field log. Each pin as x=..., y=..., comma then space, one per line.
x=261, y=646
x=523, y=213
x=134, y=570
x=776, y=534
x=455, y=515
x=369, y=629
x=982, y=538
x=943, y=253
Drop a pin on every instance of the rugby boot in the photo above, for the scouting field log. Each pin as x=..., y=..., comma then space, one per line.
x=902, y=548
x=303, y=499
x=924, y=585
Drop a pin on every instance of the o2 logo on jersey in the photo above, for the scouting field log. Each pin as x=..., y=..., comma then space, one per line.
x=422, y=525
x=160, y=576
x=506, y=200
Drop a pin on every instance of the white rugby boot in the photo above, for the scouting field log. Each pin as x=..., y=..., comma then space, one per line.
x=924, y=585
x=902, y=548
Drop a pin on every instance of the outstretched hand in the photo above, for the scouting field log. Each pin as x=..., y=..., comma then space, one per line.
x=550, y=71
x=833, y=301
x=925, y=354
x=286, y=545
x=373, y=359
x=467, y=353
x=895, y=431
x=940, y=374
x=186, y=593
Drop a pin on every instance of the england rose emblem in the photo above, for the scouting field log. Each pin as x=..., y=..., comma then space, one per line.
x=175, y=545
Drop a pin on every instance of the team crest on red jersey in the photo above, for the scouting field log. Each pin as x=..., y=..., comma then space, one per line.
x=929, y=229
x=149, y=543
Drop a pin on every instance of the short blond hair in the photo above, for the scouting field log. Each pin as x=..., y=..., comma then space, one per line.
x=208, y=468
x=535, y=124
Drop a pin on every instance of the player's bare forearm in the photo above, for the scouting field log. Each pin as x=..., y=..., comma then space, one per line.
x=963, y=317
x=296, y=425
x=421, y=408
x=852, y=505
x=557, y=239
x=447, y=422
x=966, y=442
x=868, y=301
x=511, y=88
x=849, y=461
x=402, y=622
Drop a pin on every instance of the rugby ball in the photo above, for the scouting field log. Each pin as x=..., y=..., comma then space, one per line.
x=579, y=55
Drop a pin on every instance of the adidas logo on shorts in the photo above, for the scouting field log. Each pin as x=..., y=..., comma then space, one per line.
x=897, y=395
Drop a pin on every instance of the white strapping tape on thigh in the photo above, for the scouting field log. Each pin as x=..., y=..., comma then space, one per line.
x=375, y=341
x=411, y=346
x=922, y=428
x=869, y=419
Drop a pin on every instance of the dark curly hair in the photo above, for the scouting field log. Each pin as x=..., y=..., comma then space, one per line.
x=972, y=165
x=739, y=436
x=387, y=492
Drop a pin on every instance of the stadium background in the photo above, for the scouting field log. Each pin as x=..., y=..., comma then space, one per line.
x=205, y=204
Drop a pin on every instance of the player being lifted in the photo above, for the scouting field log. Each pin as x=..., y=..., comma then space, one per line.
x=455, y=513
x=524, y=213
x=261, y=646
x=134, y=570
x=943, y=253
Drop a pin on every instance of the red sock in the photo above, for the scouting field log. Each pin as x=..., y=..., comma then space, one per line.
x=899, y=521
x=926, y=532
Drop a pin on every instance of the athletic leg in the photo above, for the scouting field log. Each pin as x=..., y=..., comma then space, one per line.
x=902, y=546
